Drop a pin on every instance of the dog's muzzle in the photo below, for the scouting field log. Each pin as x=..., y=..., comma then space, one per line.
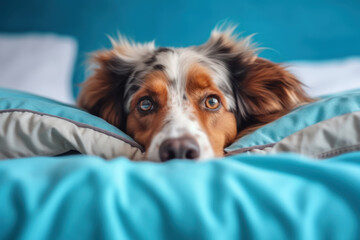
x=180, y=148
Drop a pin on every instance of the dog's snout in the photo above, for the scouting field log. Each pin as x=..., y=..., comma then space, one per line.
x=181, y=148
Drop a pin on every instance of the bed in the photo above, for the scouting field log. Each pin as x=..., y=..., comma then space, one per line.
x=241, y=197
x=69, y=175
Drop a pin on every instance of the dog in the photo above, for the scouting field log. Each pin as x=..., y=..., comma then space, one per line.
x=189, y=103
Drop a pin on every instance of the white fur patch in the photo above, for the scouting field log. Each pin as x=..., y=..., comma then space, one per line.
x=180, y=121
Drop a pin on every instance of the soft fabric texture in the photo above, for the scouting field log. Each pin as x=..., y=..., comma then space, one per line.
x=239, y=197
x=327, y=77
x=297, y=120
x=38, y=63
x=31, y=126
x=328, y=138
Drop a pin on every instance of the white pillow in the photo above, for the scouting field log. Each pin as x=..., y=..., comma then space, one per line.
x=38, y=63
x=327, y=77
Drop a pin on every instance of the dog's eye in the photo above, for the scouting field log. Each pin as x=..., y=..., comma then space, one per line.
x=145, y=105
x=212, y=103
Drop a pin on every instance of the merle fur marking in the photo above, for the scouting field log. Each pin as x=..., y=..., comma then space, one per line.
x=163, y=49
x=159, y=67
x=151, y=60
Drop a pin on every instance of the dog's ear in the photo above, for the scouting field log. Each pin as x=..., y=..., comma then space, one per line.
x=103, y=93
x=263, y=91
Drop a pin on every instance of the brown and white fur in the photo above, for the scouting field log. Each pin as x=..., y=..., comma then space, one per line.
x=164, y=97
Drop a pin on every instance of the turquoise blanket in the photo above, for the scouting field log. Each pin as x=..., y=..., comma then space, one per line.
x=239, y=197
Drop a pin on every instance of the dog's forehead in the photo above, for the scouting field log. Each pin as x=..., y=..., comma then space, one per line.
x=176, y=63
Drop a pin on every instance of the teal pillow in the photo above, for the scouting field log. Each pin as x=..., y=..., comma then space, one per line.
x=323, y=109
x=32, y=125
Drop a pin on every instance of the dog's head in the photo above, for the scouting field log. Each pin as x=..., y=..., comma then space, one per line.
x=188, y=102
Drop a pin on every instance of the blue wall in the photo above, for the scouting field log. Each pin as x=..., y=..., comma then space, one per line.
x=317, y=29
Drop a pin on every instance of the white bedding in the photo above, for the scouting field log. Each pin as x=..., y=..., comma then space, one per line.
x=326, y=77
x=38, y=63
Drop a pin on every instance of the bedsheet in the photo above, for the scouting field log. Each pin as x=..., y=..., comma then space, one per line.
x=282, y=196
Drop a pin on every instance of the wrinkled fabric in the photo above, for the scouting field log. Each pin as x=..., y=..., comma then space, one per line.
x=239, y=197
x=12, y=99
x=300, y=118
x=328, y=138
x=26, y=134
x=31, y=125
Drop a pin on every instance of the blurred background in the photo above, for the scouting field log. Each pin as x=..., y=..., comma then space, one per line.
x=44, y=43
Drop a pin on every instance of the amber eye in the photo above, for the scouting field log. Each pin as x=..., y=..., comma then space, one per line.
x=212, y=103
x=145, y=105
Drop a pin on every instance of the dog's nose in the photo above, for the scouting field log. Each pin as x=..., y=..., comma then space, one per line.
x=183, y=148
